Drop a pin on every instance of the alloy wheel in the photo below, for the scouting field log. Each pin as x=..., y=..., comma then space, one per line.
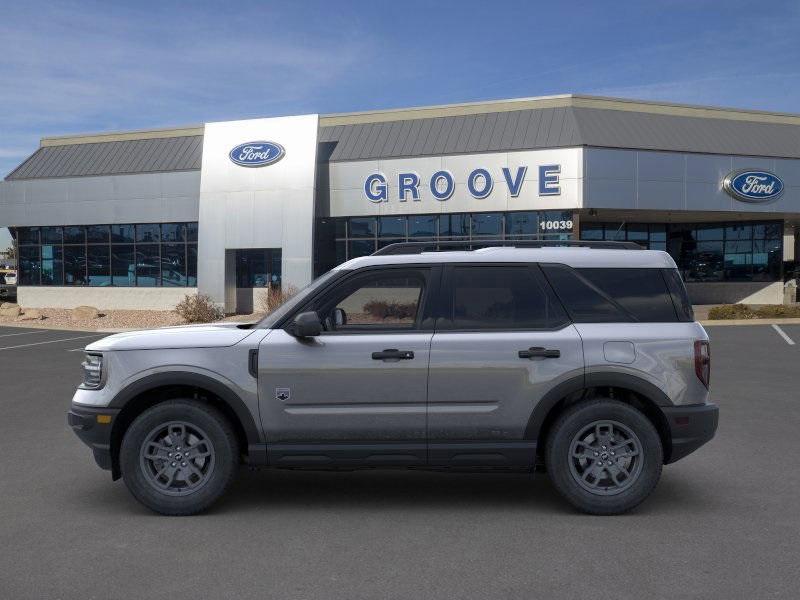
x=177, y=458
x=605, y=457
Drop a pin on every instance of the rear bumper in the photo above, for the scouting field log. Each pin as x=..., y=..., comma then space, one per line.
x=96, y=435
x=690, y=427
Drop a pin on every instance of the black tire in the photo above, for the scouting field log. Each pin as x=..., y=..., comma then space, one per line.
x=164, y=486
x=579, y=457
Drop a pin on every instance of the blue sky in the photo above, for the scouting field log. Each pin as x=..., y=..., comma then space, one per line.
x=75, y=67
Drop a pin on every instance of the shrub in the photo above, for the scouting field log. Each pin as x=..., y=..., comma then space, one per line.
x=198, y=308
x=386, y=310
x=732, y=311
x=748, y=311
x=272, y=297
x=771, y=311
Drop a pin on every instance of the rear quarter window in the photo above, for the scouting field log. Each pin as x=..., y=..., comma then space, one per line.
x=613, y=295
x=680, y=299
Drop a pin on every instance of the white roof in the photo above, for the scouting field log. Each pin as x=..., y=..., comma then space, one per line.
x=578, y=257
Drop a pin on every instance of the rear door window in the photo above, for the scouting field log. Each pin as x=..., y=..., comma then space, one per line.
x=501, y=298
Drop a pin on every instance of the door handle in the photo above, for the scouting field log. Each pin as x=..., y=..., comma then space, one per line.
x=539, y=352
x=393, y=354
x=252, y=363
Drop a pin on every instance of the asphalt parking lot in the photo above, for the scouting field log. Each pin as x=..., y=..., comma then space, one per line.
x=723, y=523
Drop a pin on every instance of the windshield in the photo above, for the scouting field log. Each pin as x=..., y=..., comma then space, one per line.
x=281, y=311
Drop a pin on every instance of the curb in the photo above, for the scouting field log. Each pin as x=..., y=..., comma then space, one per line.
x=729, y=322
x=43, y=324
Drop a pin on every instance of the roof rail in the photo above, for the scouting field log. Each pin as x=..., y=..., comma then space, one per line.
x=443, y=246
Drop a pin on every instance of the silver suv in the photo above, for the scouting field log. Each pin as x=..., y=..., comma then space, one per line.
x=583, y=360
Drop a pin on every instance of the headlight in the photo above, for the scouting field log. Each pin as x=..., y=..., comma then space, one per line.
x=93, y=371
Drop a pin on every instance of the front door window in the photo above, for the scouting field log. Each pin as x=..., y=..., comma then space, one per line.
x=381, y=302
x=374, y=302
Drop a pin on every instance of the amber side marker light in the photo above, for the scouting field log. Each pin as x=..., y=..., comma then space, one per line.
x=104, y=419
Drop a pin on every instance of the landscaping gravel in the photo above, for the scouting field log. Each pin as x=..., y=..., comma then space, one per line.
x=60, y=318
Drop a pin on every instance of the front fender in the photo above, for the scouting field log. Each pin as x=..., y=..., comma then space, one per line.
x=214, y=384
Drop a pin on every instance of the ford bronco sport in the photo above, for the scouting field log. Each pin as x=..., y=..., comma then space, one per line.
x=582, y=359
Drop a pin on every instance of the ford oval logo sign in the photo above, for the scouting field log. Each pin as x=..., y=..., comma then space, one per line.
x=753, y=186
x=257, y=154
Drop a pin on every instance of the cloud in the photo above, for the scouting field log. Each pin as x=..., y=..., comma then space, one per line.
x=88, y=67
x=716, y=91
x=72, y=67
x=749, y=63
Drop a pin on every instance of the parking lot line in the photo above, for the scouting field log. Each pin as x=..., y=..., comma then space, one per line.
x=83, y=337
x=23, y=333
x=782, y=333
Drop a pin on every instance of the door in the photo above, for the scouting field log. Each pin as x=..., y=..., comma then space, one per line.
x=257, y=271
x=357, y=393
x=502, y=341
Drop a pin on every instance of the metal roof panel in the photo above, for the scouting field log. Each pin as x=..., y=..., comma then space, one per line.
x=529, y=128
x=182, y=153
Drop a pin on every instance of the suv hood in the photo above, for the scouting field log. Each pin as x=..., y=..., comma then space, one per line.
x=185, y=336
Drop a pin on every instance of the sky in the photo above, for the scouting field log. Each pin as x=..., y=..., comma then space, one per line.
x=77, y=67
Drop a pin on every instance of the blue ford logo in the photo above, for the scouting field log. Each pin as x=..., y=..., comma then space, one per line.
x=257, y=154
x=753, y=186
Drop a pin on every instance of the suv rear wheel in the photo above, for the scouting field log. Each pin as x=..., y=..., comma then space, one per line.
x=179, y=457
x=604, y=456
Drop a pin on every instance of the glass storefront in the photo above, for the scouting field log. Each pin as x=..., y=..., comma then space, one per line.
x=343, y=238
x=135, y=255
x=730, y=251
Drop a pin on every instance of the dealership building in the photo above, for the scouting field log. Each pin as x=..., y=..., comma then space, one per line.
x=139, y=219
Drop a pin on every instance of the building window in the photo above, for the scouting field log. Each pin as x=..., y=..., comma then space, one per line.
x=52, y=264
x=30, y=264
x=144, y=255
x=347, y=238
x=123, y=264
x=423, y=226
x=148, y=265
x=74, y=265
x=487, y=224
x=257, y=268
x=98, y=260
x=739, y=251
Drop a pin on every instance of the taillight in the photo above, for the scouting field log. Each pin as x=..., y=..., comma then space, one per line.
x=702, y=361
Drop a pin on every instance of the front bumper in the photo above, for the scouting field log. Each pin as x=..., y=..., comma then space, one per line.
x=690, y=427
x=93, y=431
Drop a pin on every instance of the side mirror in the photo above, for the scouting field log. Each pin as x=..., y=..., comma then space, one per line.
x=306, y=324
x=339, y=317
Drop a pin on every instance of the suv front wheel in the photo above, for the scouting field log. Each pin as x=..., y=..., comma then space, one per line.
x=179, y=457
x=604, y=456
